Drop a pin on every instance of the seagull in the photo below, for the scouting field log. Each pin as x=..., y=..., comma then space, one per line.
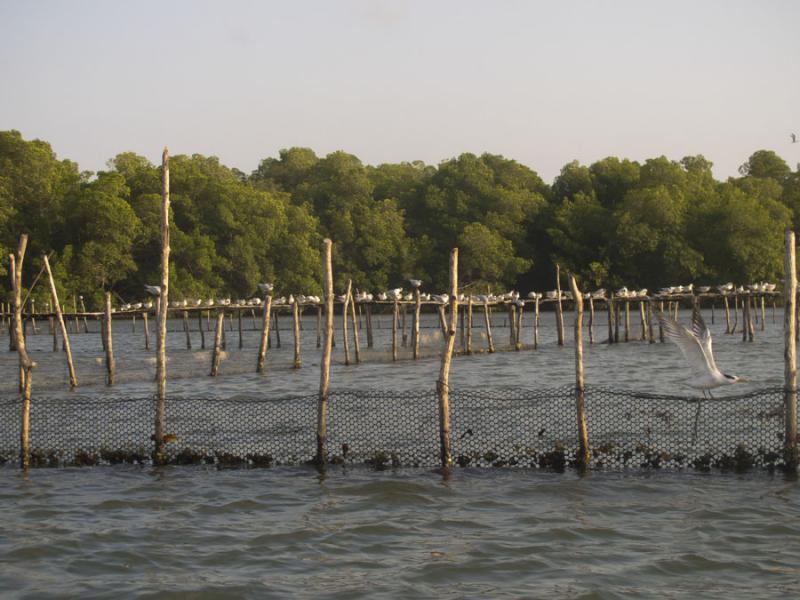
x=153, y=290
x=695, y=344
x=265, y=287
x=794, y=137
x=415, y=283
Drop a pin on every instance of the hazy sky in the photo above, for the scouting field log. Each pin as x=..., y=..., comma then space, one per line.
x=540, y=82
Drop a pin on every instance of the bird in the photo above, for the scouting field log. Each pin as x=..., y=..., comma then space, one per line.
x=265, y=287
x=695, y=344
x=794, y=137
x=415, y=283
x=153, y=290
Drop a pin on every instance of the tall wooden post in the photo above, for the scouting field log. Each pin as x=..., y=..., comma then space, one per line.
x=443, y=383
x=319, y=326
x=296, y=332
x=660, y=328
x=559, y=309
x=85, y=321
x=518, y=328
x=395, y=319
x=345, y=339
x=487, y=320
x=146, y=331
x=159, y=454
x=580, y=405
x=26, y=365
x=239, y=325
x=265, y=323
x=325, y=370
x=73, y=380
x=200, y=329
x=591, y=319
x=355, y=322
x=627, y=319
x=536, y=322
x=790, y=351
x=403, y=310
x=108, y=337
x=610, y=309
x=368, y=309
x=217, y=352
x=469, y=324
x=415, y=334
x=186, y=330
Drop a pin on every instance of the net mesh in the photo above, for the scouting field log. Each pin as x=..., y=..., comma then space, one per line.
x=497, y=427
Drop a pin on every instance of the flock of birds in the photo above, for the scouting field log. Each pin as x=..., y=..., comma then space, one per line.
x=401, y=295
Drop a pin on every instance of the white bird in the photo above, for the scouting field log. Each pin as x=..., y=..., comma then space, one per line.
x=695, y=344
x=265, y=287
x=415, y=283
x=153, y=290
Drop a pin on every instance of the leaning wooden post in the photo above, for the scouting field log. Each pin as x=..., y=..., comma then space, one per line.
x=745, y=317
x=110, y=365
x=345, y=338
x=790, y=351
x=559, y=308
x=83, y=310
x=417, y=309
x=354, y=318
x=217, y=352
x=650, y=336
x=395, y=319
x=443, y=383
x=75, y=315
x=265, y=323
x=580, y=405
x=296, y=333
x=73, y=380
x=488, y=324
x=642, y=321
x=159, y=454
x=146, y=331
x=26, y=365
x=186, y=330
x=325, y=370
x=727, y=315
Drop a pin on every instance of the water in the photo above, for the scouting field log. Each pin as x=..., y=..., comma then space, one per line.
x=354, y=532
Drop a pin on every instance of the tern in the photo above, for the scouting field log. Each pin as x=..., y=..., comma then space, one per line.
x=153, y=290
x=695, y=344
x=415, y=283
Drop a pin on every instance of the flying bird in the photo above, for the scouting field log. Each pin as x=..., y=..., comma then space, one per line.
x=153, y=290
x=695, y=344
x=794, y=138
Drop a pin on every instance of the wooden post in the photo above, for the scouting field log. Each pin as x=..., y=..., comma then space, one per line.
x=265, y=323
x=217, y=353
x=277, y=330
x=75, y=314
x=417, y=310
x=727, y=315
x=643, y=321
x=442, y=319
x=110, y=366
x=559, y=308
x=745, y=317
x=650, y=335
x=735, y=313
x=345, y=339
x=200, y=329
x=591, y=319
x=239, y=324
x=159, y=454
x=487, y=320
x=85, y=322
x=443, y=383
x=469, y=324
x=512, y=324
x=790, y=352
x=368, y=309
x=296, y=333
x=610, y=309
x=518, y=328
x=616, y=321
x=146, y=331
x=403, y=325
x=395, y=319
x=627, y=319
x=583, y=430
x=763, y=312
x=660, y=328
x=73, y=380
x=26, y=365
x=186, y=330
x=33, y=317
x=356, y=341
x=325, y=370
x=536, y=322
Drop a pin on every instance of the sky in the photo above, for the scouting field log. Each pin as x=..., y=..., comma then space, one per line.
x=543, y=83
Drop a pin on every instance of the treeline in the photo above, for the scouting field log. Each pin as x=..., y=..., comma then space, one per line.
x=613, y=222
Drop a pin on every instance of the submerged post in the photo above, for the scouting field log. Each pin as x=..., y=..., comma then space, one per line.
x=536, y=322
x=345, y=306
x=417, y=309
x=469, y=324
x=488, y=324
x=73, y=380
x=296, y=332
x=110, y=365
x=265, y=323
x=355, y=325
x=26, y=365
x=159, y=455
x=443, y=384
x=580, y=405
x=325, y=370
x=395, y=320
x=217, y=352
x=790, y=351
x=559, y=308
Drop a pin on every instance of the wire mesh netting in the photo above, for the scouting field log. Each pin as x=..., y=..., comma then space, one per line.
x=497, y=427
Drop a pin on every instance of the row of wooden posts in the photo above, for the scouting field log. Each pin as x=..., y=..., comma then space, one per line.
x=449, y=328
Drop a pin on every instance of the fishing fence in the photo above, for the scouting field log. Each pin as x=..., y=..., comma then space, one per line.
x=500, y=427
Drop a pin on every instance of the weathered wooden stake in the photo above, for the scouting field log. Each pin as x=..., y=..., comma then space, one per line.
x=415, y=334
x=368, y=309
x=518, y=328
x=83, y=310
x=395, y=319
x=217, y=353
x=660, y=328
x=200, y=329
x=186, y=330
x=146, y=331
x=580, y=405
x=536, y=322
x=403, y=325
x=73, y=380
x=627, y=319
x=591, y=320
x=610, y=309
x=727, y=315
x=26, y=365
x=265, y=322
x=239, y=324
x=643, y=321
x=559, y=308
x=319, y=326
x=487, y=320
x=616, y=320
x=650, y=335
x=354, y=319
x=277, y=330
x=790, y=352
x=512, y=324
x=443, y=383
x=442, y=319
x=763, y=312
x=159, y=452
x=110, y=365
x=296, y=333
x=75, y=313
x=469, y=324
x=345, y=339
x=325, y=370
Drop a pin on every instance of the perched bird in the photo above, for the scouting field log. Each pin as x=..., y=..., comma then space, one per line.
x=695, y=344
x=415, y=283
x=153, y=290
x=265, y=287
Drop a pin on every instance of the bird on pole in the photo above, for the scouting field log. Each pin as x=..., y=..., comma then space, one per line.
x=695, y=344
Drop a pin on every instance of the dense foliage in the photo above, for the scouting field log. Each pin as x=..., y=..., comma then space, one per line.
x=613, y=222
